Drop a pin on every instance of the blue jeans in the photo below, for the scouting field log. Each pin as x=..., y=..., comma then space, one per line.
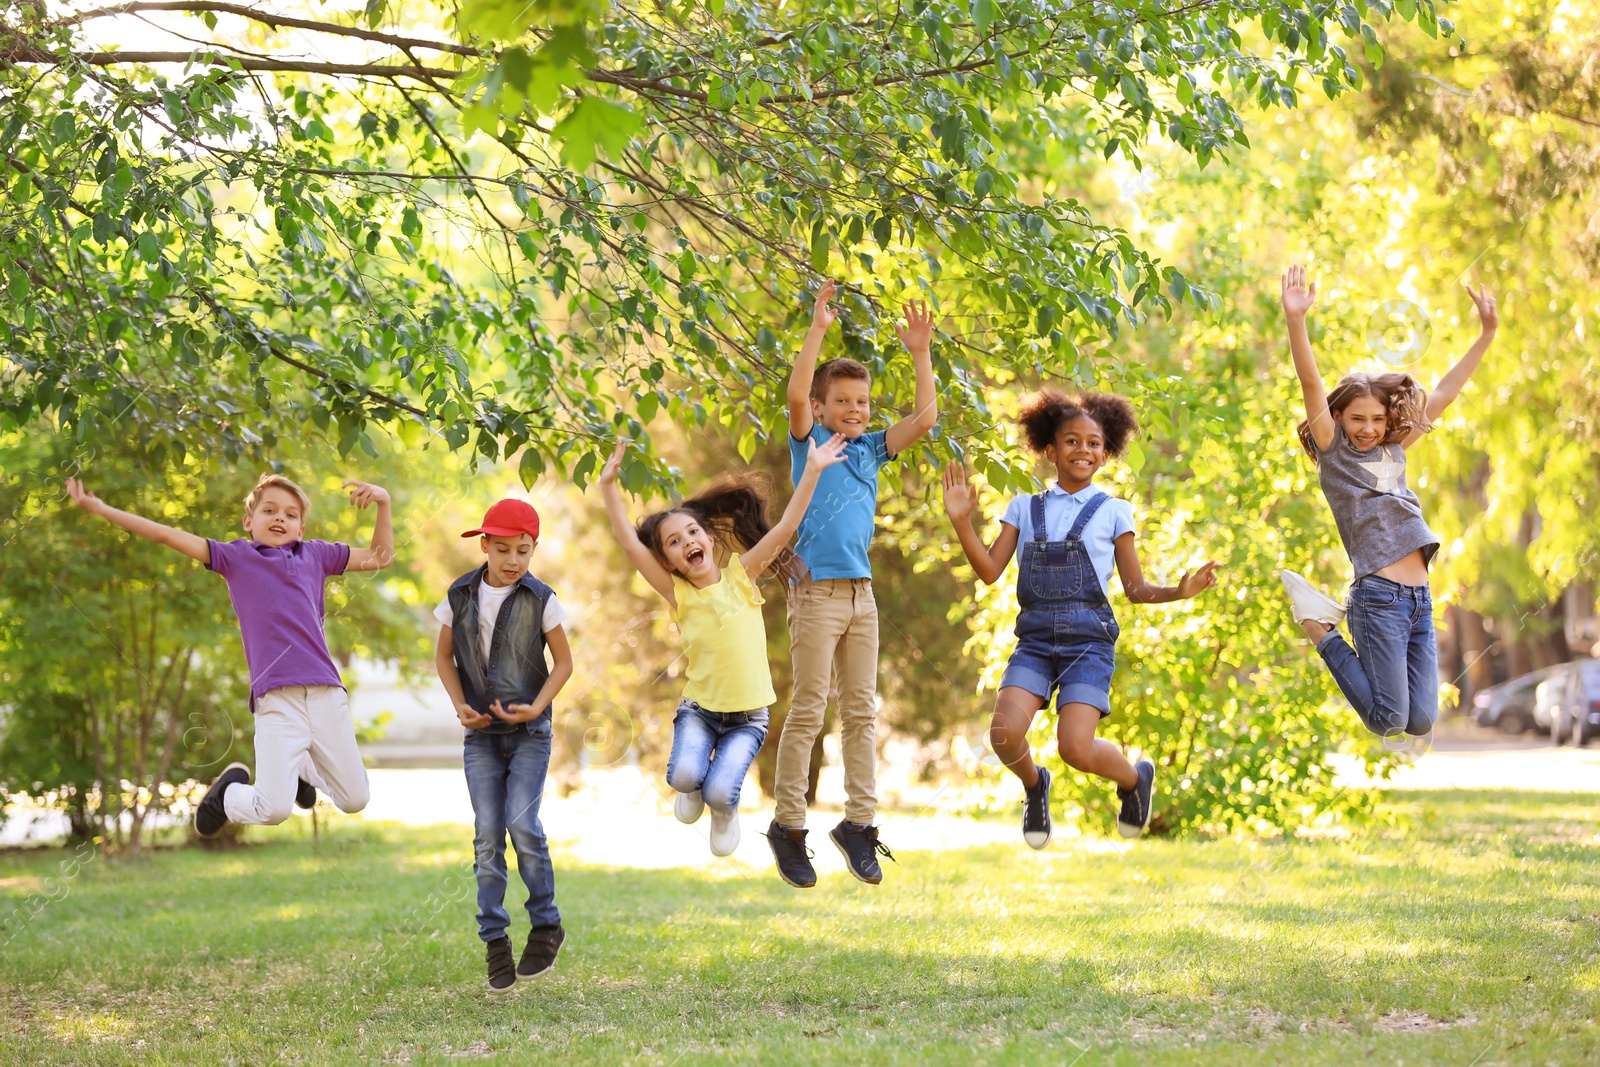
x=712, y=751
x=1391, y=677
x=505, y=776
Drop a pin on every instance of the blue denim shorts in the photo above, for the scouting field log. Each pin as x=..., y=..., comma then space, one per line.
x=1078, y=672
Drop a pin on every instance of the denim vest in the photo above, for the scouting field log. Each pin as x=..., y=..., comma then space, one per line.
x=1058, y=590
x=516, y=670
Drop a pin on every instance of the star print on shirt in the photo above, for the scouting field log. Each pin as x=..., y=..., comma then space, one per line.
x=1386, y=472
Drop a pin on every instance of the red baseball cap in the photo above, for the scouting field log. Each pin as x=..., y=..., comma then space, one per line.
x=508, y=518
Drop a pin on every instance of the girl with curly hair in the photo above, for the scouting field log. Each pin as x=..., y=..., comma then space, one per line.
x=1358, y=436
x=723, y=716
x=1071, y=535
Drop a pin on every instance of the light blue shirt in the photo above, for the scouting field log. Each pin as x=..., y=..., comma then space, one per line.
x=836, y=530
x=1061, y=509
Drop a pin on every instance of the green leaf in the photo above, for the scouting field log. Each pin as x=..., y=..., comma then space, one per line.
x=982, y=14
x=592, y=125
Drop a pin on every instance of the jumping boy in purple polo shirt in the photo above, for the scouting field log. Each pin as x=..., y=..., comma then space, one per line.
x=305, y=739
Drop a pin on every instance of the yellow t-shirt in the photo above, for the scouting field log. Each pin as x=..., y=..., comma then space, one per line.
x=725, y=642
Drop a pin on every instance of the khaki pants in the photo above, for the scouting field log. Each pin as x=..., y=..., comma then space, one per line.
x=833, y=631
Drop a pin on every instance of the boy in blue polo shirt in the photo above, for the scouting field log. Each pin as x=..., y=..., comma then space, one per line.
x=833, y=618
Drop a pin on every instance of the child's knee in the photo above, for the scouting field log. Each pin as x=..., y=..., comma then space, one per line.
x=722, y=795
x=683, y=779
x=1077, y=752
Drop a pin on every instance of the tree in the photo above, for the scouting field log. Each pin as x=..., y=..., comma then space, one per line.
x=573, y=200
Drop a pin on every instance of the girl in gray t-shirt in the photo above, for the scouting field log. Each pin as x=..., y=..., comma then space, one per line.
x=1358, y=435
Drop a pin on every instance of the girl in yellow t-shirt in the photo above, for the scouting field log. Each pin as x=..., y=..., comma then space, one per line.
x=722, y=718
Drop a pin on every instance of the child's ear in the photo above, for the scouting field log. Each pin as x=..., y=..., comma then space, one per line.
x=483, y=543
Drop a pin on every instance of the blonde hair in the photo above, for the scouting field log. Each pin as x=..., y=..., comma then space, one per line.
x=1405, y=403
x=276, y=481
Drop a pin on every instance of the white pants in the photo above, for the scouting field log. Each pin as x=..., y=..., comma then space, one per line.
x=302, y=731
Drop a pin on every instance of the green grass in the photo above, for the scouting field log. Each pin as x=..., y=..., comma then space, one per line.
x=1467, y=933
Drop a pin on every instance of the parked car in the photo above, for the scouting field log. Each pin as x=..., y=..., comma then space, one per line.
x=1547, y=697
x=1576, y=716
x=1509, y=705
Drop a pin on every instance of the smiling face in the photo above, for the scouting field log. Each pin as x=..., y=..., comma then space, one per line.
x=845, y=407
x=1078, y=451
x=1365, y=421
x=277, y=519
x=508, y=557
x=686, y=548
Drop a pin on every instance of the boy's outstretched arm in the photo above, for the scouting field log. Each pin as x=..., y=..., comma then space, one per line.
x=381, y=553
x=917, y=336
x=818, y=459
x=805, y=364
x=644, y=561
x=988, y=561
x=1456, y=378
x=555, y=639
x=1139, y=591
x=1297, y=300
x=189, y=544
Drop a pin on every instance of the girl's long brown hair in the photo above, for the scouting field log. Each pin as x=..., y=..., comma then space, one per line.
x=1404, y=400
x=732, y=509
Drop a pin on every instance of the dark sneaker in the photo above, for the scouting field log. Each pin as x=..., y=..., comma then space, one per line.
x=1135, y=815
x=861, y=848
x=794, y=858
x=305, y=795
x=209, y=815
x=502, y=975
x=539, y=955
x=1036, y=812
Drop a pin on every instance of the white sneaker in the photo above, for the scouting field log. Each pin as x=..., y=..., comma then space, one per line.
x=724, y=831
x=688, y=807
x=1309, y=602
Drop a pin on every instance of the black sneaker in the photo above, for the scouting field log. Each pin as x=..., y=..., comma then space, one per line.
x=209, y=815
x=539, y=955
x=305, y=795
x=1135, y=814
x=502, y=975
x=1036, y=812
x=794, y=858
x=860, y=847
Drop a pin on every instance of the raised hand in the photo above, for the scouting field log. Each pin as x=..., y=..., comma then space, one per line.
x=959, y=499
x=608, y=473
x=1197, y=581
x=820, y=457
x=917, y=333
x=364, y=493
x=516, y=712
x=1298, y=296
x=823, y=316
x=82, y=497
x=1488, y=316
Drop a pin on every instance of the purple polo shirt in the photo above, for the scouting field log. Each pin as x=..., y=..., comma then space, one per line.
x=277, y=595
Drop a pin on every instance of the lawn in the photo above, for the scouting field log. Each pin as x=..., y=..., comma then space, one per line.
x=1464, y=930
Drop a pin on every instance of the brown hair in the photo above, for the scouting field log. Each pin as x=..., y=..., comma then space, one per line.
x=1404, y=400
x=276, y=481
x=733, y=510
x=1045, y=411
x=829, y=370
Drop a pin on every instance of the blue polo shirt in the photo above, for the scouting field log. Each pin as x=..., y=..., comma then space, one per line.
x=1061, y=508
x=836, y=530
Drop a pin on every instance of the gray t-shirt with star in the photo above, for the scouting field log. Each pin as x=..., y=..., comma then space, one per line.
x=1379, y=518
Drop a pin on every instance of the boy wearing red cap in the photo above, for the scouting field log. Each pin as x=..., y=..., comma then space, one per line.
x=495, y=624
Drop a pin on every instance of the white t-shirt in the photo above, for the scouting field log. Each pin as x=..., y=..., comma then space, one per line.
x=490, y=598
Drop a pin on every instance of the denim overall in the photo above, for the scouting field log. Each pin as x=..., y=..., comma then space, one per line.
x=1066, y=631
